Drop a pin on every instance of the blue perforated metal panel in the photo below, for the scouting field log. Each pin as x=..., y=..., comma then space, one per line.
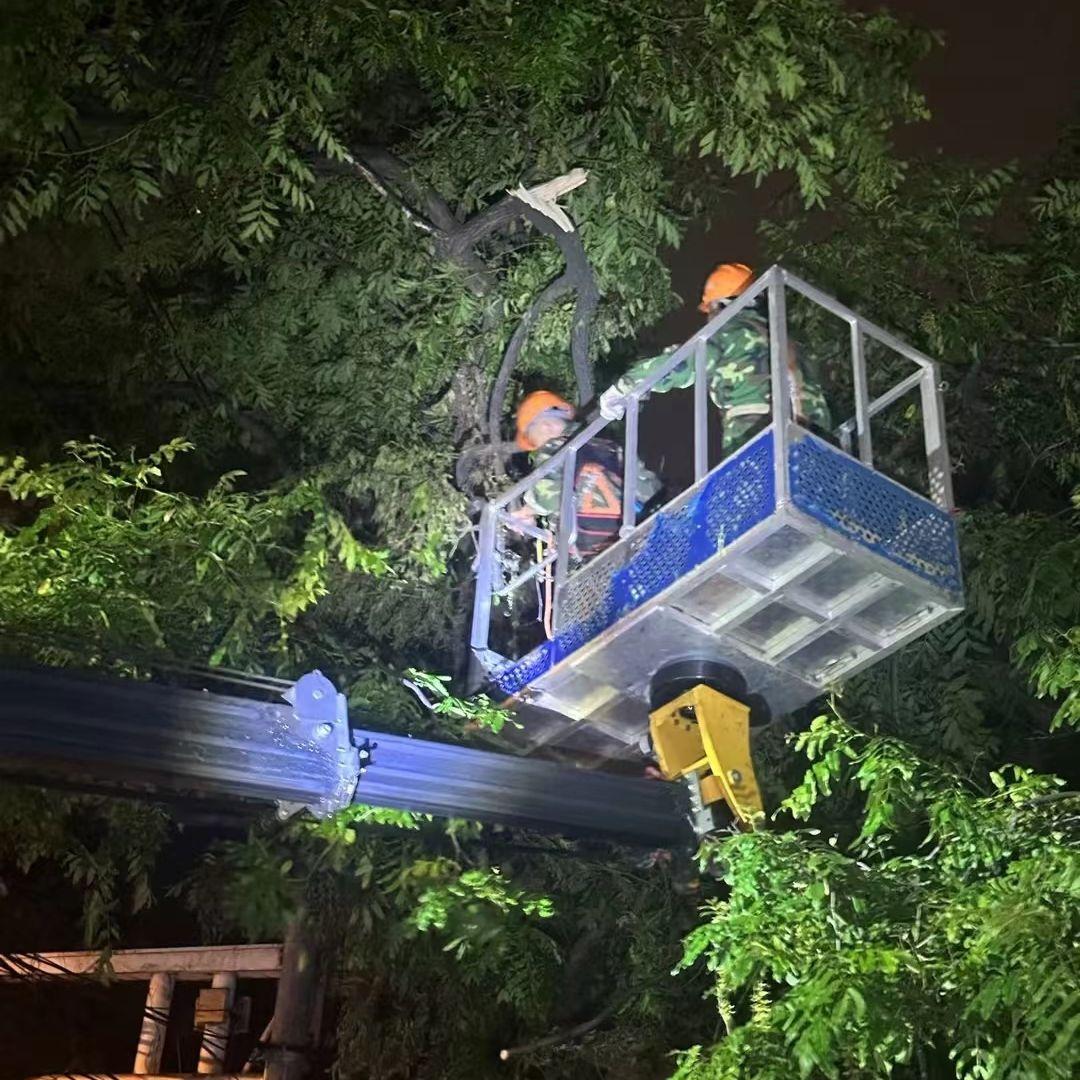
x=736, y=496
x=511, y=678
x=871, y=509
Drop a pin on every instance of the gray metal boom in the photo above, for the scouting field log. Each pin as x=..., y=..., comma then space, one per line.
x=144, y=738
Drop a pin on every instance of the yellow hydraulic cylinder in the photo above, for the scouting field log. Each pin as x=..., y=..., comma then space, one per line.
x=706, y=734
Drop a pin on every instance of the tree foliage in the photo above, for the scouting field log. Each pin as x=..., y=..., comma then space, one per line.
x=285, y=230
x=454, y=942
x=940, y=938
x=100, y=552
x=282, y=228
x=106, y=849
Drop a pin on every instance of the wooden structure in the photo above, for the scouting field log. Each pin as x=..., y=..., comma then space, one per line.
x=292, y=1031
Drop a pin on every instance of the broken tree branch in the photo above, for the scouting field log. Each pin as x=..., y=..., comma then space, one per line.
x=554, y=292
x=580, y=272
x=545, y=197
x=456, y=241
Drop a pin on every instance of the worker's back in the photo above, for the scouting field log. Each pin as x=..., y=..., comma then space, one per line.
x=598, y=491
x=739, y=382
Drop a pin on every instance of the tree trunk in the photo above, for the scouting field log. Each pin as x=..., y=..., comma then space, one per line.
x=288, y=1056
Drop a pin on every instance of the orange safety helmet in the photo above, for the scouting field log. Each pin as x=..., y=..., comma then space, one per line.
x=531, y=406
x=726, y=281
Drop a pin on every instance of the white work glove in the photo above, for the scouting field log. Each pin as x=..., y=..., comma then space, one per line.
x=612, y=404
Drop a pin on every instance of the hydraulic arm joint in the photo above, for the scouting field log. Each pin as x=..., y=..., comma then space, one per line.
x=702, y=736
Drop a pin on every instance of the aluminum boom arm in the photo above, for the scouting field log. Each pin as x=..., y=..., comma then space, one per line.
x=132, y=737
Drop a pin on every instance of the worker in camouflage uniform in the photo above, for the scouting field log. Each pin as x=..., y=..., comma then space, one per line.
x=737, y=367
x=544, y=422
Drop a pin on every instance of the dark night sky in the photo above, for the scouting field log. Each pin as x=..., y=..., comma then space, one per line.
x=1004, y=82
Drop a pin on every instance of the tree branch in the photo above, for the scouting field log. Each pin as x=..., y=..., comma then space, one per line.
x=580, y=273
x=560, y=1037
x=384, y=186
x=467, y=234
x=554, y=292
x=577, y=277
x=421, y=204
x=423, y=197
x=475, y=458
x=456, y=241
x=386, y=193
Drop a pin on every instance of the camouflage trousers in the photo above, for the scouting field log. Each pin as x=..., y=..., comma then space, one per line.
x=745, y=406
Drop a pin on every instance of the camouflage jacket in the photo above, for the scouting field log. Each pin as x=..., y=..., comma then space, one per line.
x=737, y=368
x=544, y=497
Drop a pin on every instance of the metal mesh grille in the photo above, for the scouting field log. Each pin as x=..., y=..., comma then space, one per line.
x=587, y=593
x=739, y=494
x=510, y=678
x=660, y=561
x=736, y=496
x=844, y=494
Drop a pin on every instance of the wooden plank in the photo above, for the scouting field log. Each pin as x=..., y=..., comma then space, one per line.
x=187, y=963
x=215, y=1039
x=138, y=1076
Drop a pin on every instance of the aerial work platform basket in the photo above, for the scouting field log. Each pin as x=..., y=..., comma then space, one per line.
x=797, y=560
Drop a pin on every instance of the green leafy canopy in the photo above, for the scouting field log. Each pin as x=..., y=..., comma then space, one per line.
x=946, y=930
